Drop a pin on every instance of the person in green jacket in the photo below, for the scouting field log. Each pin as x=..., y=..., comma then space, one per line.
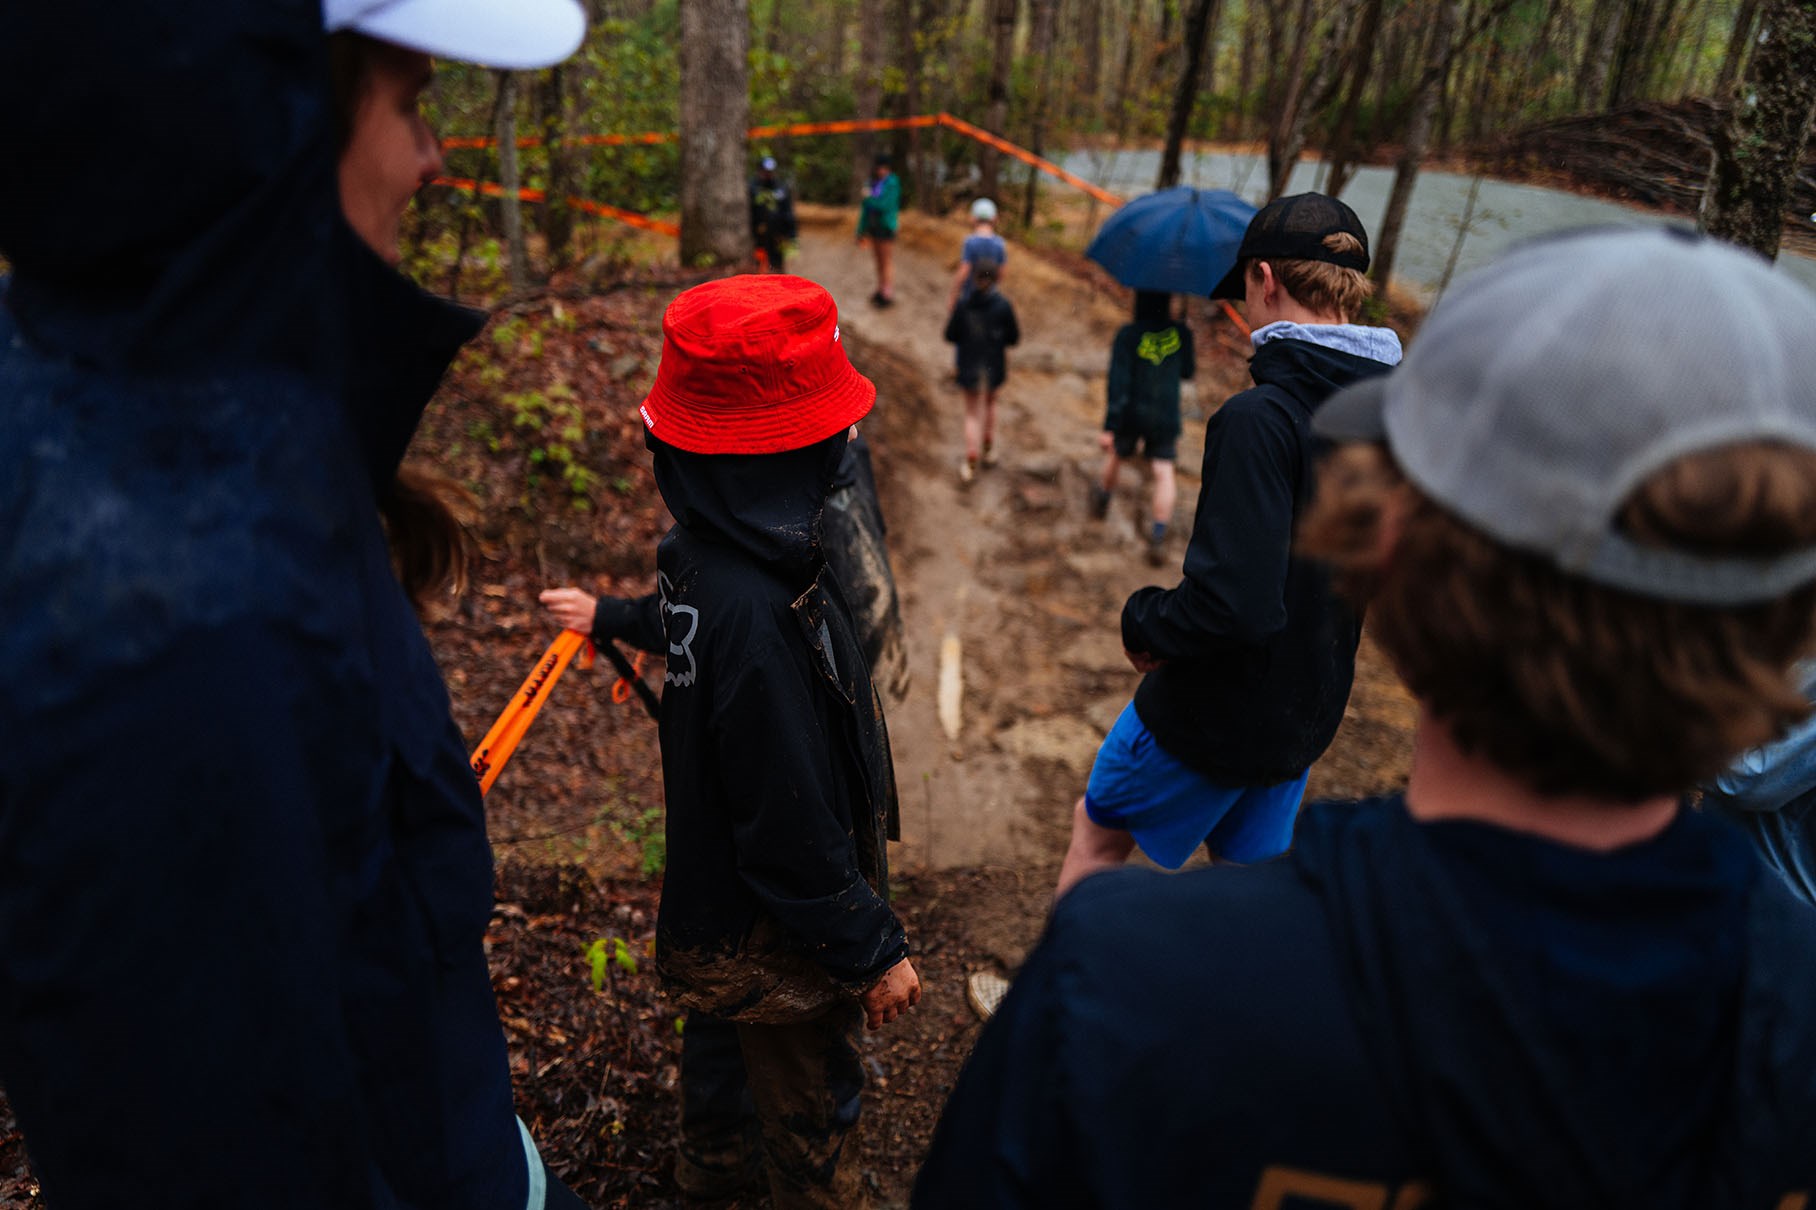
x=1148, y=361
x=877, y=220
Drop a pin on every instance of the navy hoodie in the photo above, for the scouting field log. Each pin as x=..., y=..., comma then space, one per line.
x=244, y=874
x=1410, y=1016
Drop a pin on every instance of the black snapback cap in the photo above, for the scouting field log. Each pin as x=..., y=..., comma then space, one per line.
x=1293, y=228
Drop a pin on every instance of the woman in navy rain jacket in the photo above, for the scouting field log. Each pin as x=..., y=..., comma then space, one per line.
x=244, y=875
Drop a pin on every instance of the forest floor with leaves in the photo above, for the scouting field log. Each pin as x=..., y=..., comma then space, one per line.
x=538, y=420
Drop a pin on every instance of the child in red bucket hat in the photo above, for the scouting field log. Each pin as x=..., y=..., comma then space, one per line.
x=775, y=929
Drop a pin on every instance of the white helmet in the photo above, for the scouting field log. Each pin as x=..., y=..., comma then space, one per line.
x=983, y=210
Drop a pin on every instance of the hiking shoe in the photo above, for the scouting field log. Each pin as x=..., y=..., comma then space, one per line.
x=1100, y=502
x=984, y=991
x=1157, y=547
x=967, y=472
x=883, y=300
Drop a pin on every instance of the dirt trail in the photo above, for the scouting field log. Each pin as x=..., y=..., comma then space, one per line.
x=1014, y=566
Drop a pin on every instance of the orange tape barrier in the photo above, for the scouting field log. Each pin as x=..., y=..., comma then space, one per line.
x=629, y=217
x=512, y=725
x=852, y=126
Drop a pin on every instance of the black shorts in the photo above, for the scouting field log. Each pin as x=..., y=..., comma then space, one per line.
x=885, y=236
x=972, y=378
x=1156, y=449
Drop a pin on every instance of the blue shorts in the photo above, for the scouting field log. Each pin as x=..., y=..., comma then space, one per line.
x=1171, y=809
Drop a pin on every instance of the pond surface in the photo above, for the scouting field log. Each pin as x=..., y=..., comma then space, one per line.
x=1504, y=212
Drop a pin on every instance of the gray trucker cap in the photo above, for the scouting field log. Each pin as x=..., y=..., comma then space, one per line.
x=1546, y=387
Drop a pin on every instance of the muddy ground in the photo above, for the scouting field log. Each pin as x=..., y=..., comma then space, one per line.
x=538, y=420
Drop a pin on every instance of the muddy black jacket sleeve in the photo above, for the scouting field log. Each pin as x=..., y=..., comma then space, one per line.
x=1232, y=593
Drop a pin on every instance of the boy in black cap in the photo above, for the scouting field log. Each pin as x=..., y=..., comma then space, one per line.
x=1533, y=979
x=1249, y=658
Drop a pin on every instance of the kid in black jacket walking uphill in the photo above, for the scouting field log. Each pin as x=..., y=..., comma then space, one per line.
x=775, y=930
x=983, y=328
x=1249, y=659
x=1535, y=980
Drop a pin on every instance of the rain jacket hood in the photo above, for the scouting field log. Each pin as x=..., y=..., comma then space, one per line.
x=233, y=757
x=159, y=253
x=770, y=506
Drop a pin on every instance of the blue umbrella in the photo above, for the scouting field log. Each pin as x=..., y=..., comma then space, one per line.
x=1177, y=241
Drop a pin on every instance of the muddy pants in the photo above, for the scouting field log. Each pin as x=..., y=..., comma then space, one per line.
x=781, y=1097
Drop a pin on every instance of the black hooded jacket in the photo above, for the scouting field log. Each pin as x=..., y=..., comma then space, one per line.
x=775, y=761
x=1259, y=654
x=1439, y=1016
x=244, y=872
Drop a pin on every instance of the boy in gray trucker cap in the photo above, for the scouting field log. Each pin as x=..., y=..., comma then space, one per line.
x=1586, y=525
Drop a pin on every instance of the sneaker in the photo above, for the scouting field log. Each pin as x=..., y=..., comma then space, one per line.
x=967, y=472
x=1100, y=502
x=877, y=300
x=1157, y=546
x=985, y=990
x=989, y=455
x=883, y=300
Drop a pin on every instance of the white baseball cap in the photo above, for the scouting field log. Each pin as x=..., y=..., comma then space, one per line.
x=511, y=35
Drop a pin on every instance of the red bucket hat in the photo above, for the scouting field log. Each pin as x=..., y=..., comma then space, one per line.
x=753, y=365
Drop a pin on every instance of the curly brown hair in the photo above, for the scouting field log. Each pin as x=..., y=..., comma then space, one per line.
x=1568, y=685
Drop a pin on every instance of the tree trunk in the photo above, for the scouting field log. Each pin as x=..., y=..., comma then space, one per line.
x=996, y=109
x=1598, y=55
x=1253, y=33
x=554, y=123
x=510, y=206
x=1739, y=43
x=715, y=113
x=1040, y=49
x=873, y=53
x=1418, y=133
x=1200, y=32
x=1341, y=154
x=1308, y=98
x=1090, y=54
x=1759, y=145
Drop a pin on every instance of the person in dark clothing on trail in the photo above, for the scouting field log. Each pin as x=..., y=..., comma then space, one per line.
x=879, y=214
x=983, y=328
x=1249, y=659
x=775, y=930
x=772, y=214
x=1533, y=979
x=854, y=544
x=1148, y=361
x=232, y=763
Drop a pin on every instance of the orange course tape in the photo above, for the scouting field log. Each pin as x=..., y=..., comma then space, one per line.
x=628, y=217
x=514, y=723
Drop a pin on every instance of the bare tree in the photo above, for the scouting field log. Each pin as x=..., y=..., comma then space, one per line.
x=1306, y=98
x=1341, y=154
x=1759, y=146
x=996, y=113
x=715, y=113
x=510, y=206
x=1598, y=54
x=1418, y=133
x=873, y=53
x=1040, y=50
x=1200, y=31
x=1739, y=42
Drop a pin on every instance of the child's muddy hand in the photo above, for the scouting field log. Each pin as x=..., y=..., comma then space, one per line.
x=894, y=994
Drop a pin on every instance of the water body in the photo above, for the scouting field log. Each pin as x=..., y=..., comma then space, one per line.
x=1504, y=213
